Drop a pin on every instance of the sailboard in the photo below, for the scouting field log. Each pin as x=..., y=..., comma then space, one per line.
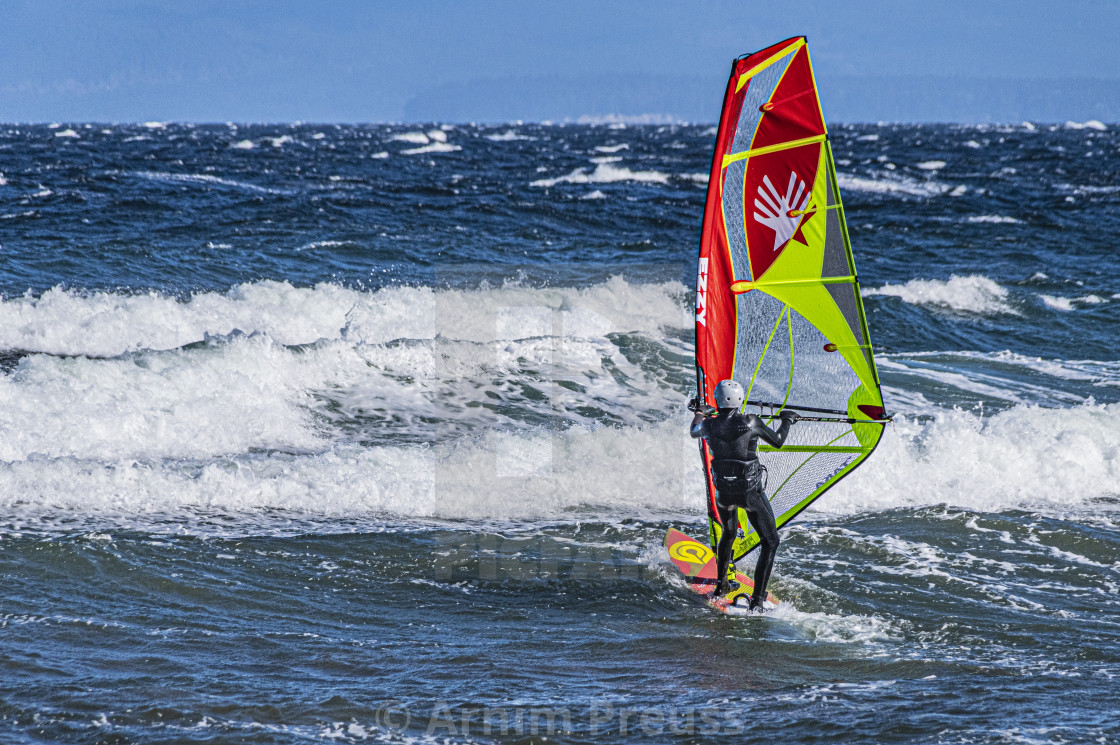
x=697, y=563
x=778, y=305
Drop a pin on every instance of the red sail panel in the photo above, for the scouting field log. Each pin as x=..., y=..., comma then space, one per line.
x=792, y=113
x=715, y=303
x=784, y=181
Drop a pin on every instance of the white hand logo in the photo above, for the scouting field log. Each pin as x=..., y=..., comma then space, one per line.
x=774, y=211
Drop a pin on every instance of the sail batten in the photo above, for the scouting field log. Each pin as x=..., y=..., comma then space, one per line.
x=778, y=302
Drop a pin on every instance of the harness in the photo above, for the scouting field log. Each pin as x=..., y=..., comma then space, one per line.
x=734, y=476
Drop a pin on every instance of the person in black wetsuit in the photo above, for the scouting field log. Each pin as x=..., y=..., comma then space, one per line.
x=733, y=441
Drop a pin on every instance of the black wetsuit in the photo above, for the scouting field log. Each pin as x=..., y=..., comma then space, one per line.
x=733, y=441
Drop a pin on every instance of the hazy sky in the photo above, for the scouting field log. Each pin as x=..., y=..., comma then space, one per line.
x=367, y=60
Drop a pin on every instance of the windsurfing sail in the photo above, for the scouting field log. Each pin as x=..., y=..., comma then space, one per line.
x=778, y=306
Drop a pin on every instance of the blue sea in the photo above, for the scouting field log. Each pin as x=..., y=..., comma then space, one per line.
x=371, y=433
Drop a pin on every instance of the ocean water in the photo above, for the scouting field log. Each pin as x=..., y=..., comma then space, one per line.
x=372, y=433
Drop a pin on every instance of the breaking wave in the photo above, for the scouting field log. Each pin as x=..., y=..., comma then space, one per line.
x=971, y=294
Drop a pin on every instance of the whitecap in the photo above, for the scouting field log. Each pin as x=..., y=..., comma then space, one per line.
x=67, y=133
x=998, y=219
x=604, y=173
x=1091, y=124
x=416, y=138
x=931, y=165
x=243, y=145
x=205, y=178
x=508, y=136
x=1023, y=458
x=891, y=185
x=435, y=147
x=1063, y=304
x=970, y=294
x=612, y=148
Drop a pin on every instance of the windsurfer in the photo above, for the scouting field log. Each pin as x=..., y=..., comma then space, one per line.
x=733, y=440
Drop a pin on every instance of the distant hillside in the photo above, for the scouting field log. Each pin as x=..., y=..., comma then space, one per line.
x=846, y=98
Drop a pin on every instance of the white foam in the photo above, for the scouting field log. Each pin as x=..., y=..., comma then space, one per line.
x=892, y=185
x=455, y=395
x=65, y=322
x=380, y=156
x=1103, y=373
x=243, y=145
x=633, y=471
x=998, y=219
x=971, y=294
x=435, y=147
x=973, y=144
x=67, y=133
x=867, y=138
x=699, y=178
x=508, y=136
x=1063, y=304
x=612, y=148
x=183, y=406
x=991, y=378
x=604, y=173
x=3, y=181
x=1043, y=460
x=280, y=141
x=1091, y=124
x=416, y=138
x=1067, y=303
x=1053, y=460
x=204, y=178
x=107, y=324
x=931, y=165
x=154, y=125
x=594, y=195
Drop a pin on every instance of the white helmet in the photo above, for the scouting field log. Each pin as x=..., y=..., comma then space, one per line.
x=729, y=395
